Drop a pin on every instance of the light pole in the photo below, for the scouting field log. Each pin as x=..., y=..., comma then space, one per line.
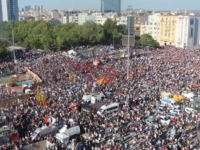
x=113, y=42
x=13, y=43
x=129, y=10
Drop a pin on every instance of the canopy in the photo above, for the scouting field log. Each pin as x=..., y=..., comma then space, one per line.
x=178, y=98
x=72, y=52
x=188, y=95
x=165, y=94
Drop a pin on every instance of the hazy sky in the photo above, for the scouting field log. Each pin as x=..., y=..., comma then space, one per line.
x=95, y=4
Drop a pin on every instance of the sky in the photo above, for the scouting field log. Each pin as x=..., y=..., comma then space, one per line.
x=95, y=4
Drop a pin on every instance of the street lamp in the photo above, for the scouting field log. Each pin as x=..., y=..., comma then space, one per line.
x=13, y=42
x=113, y=41
x=129, y=10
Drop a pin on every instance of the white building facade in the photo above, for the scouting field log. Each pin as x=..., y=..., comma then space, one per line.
x=187, y=31
x=152, y=26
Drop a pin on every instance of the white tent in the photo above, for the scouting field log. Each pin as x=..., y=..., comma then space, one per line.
x=72, y=52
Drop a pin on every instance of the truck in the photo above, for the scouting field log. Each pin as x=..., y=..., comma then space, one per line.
x=64, y=134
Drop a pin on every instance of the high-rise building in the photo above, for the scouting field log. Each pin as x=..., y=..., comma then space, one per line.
x=10, y=10
x=111, y=6
x=41, y=8
x=1, y=15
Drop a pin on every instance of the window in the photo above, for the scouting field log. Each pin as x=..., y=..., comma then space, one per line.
x=191, y=32
x=191, y=21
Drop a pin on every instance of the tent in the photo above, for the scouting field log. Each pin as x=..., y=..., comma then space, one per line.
x=165, y=94
x=72, y=52
x=178, y=98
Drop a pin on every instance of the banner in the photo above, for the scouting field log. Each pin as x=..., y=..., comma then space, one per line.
x=40, y=97
x=33, y=75
x=105, y=79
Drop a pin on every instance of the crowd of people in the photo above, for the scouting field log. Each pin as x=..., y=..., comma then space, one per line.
x=66, y=80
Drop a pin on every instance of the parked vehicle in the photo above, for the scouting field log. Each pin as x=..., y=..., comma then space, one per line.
x=65, y=134
x=44, y=130
x=105, y=109
x=97, y=98
x=172, y=115
x=164, y=120
x=87, y=97
x=150, y=121
x=190, y=110
x=170, y=102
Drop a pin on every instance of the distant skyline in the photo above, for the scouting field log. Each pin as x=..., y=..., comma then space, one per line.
x=95, y=4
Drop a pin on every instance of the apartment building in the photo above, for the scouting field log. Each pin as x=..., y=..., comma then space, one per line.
x=187, y=31
x=151, y=26
x=168, y=29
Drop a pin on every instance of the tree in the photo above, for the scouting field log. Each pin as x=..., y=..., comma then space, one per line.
x=147, y=40
x=92, y=33
x=3, y=48
x=109, y=30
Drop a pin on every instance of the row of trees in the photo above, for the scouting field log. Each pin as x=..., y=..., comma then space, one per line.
x=42, y=35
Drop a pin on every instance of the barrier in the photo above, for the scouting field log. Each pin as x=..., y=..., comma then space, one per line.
x=33, y=75
x=12, y=100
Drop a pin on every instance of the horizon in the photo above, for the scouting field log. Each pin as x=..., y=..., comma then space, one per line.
x=157, y=5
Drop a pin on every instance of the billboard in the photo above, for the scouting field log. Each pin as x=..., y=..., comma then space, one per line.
x=125, y=40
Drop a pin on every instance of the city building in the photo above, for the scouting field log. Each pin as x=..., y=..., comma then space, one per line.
x=1, y=15
x=65, y=19
x=27, y=8
x=82, y=18
x=73, y=18
x=187, y=31
x=151, y=26
x=139, y=19
x=10, y=10
x=121, y=20
x=168, y=29
x=111, y=6
x=55, y=14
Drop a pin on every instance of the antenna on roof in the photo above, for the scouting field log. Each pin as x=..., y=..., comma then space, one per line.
x=185, y=11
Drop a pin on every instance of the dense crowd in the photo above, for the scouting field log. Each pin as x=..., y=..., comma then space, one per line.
x=171, y=70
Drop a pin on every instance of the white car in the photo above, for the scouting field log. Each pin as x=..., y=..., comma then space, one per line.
x=190, y=110
x=97, y=98
x=164, y=120
x=87, y=97
x=176, y=111
x=188, y=95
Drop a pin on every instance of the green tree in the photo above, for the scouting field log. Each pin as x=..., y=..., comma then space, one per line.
x=91, y=33
x=67, y=35
x=122, y=29
x=3, y=48
x=109, y=30
x=147, y=40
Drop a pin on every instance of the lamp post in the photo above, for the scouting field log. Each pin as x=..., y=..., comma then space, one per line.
x=129, y=10
x=113, y=41
x=13, y=42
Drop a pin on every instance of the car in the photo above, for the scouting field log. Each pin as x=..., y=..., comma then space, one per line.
x=97, y=98
x=172, y=116
x=160, y=109
x=190, y=110
x=87, y=97
x=164, y=120
x=176, y=111
x=150, y=121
